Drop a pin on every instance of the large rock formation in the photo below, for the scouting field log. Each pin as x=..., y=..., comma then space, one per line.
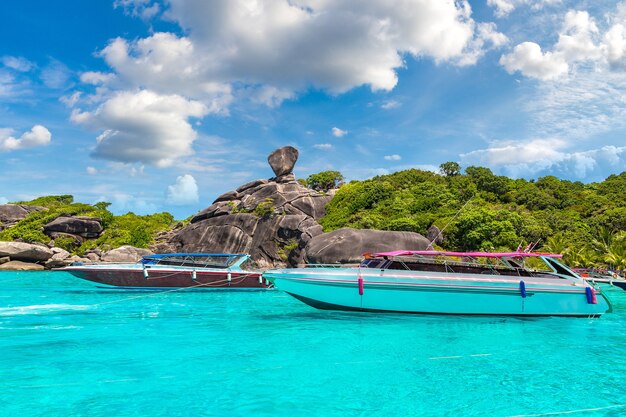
x=13, y=213
x=20, y=266
x=349, y=245
x=282, y=160
x=269, y=219
x=83, y=226
x=20, y=251
x=123, y=254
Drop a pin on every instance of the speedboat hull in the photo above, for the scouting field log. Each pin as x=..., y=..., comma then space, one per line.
x=156, y=277
x=436, y=293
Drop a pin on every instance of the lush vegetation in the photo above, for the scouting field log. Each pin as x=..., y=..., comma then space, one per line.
x=479, y=210
x=127, y=229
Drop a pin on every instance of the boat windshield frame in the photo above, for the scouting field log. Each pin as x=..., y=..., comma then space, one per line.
x=512, y=261
x=198, y=260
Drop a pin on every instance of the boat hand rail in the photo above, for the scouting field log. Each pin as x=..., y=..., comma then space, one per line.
x=346, y=265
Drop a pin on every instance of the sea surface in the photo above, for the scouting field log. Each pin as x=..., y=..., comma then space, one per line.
x=68, y=348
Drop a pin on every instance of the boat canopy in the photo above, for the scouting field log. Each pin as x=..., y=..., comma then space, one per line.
x=467, y=254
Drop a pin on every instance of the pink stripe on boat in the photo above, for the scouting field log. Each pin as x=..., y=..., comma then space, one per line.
x=467, y=254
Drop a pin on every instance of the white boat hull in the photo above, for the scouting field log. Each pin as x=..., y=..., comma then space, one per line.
x=435, y=293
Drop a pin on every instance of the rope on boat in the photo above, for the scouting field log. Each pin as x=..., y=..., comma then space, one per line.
x=561, y=413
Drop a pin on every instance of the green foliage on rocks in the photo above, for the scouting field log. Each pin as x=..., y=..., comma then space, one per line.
x=484, y=211
x=127, y=229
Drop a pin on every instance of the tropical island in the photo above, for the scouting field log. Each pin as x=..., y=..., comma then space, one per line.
x=281, y=220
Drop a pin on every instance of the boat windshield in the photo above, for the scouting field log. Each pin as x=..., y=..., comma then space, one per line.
x=194, y=260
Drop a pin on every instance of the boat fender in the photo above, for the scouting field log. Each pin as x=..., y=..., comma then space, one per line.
x=193, y=274
x=145, y=272
x=360, y=285
x=228, y=277
x=591, y=295
x=522, y=288
x=260, y=279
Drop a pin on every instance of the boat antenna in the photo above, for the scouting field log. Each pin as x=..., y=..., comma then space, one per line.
x=430, y=245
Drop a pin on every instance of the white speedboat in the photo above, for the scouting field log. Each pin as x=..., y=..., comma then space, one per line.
x=515, y=283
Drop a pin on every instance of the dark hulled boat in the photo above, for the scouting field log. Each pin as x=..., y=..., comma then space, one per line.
x=175, y=270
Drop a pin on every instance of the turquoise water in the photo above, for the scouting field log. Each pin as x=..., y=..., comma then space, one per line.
x=69, y=349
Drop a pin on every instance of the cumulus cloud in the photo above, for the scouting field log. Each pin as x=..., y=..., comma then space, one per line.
x=528, y=59
x=579, y=42
x=17, y=63
x=539, y=157
x=290, y=46
x=3, y=200
x=183, y=192
x=37, y=136
x=338, y=133
x=394, y=157
x=322, y=146
x=91, y=171
x=143, y=126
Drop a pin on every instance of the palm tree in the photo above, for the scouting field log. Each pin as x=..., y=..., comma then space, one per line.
x=616, y=253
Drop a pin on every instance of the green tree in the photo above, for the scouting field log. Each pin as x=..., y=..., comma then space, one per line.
x=325, y=180
x=450, y=169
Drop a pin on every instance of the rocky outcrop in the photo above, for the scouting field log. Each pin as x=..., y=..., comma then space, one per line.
x=282, y=160
x=270, y=219
x=123, y=254
x=59, y=259
x=13, y=213
x=349, y=245
x=83, y=226
x=20, y=251
x=435, y=235
x=20, y=266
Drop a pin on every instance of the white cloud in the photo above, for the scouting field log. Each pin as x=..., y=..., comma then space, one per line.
x=71, y=99
x=17, y=63
x=91, y=171
x=145, y=9
x=37, y=136
x=290, y=46
x=580, y=42
x=183, y=192
x=95, y=77
x=167, y=64
x=322, y=146
x=505, y=7
x=528, y=59
x=3, y=200
x=338, y=133
x=55, y=75
x=390, y=104
x=539, y=157
x=143, y=126
x=394, y=157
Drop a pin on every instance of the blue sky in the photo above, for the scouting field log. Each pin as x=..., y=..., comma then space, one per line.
x=164, y=105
